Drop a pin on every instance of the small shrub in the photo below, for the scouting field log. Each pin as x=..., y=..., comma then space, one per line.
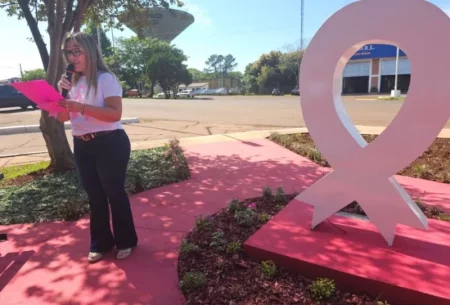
x=314, y=155
x=218, y=240
x=443, y=177
x=192, y=281
x=244, y=217
x=234, y=206
x=444, y=217
x=280, y=196
x=202, y=224
x=279, y=207
x=421, y=171
x=187, y=247
x=323, y=288
x=234, y=247
x=268, y=268
x=275, y=136
x=267, y=193
x=263, y=217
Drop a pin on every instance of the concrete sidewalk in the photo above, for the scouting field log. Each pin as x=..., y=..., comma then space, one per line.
x=21, y=129
x=30, y=147
x=155, y=134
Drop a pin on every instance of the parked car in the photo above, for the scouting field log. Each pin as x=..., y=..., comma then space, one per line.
x=295, y=92
x=10, y=97
x=277, y=92
x=186, y=93
x=133, y=92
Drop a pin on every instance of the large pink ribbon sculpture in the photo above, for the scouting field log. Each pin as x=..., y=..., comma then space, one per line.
x=365, y=172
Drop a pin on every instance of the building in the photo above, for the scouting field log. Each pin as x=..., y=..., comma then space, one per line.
x=195, y=86
x=372, y=70
x=157, y=22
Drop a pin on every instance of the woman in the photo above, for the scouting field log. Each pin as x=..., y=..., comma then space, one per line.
x=101, y=146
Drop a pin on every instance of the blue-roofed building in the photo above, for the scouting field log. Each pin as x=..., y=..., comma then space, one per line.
x=372, y=70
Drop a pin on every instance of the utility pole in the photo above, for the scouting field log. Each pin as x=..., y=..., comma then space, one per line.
x=301, y=24
x=396, y=92
x=21, y=72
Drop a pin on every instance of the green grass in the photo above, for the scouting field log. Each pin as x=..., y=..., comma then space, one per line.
x=12, y=172
x=61, y=196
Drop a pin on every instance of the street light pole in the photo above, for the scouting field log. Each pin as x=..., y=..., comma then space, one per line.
x=396, y=92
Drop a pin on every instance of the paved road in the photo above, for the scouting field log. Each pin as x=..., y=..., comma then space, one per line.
x=252, y=110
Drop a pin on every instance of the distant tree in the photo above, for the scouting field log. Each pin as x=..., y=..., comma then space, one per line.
x=198, y=75
x=35, y=74
x=130, y=59
x=236, y=74
x=106, y=45
x=63, y=16
x=165, y=66
x=220, y=65
x=266, y=73
x=291, y=60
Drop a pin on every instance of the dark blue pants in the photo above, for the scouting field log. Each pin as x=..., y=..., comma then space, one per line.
x=102, y=163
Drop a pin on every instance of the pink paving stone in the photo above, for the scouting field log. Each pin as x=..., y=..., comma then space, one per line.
x=46, y=263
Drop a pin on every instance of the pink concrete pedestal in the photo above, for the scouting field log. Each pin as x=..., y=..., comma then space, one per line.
x=414, y=271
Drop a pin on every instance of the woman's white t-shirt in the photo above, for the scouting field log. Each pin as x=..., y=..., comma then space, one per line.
x=108, y=86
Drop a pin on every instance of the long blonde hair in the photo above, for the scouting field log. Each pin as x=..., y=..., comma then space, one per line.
x=94, y=60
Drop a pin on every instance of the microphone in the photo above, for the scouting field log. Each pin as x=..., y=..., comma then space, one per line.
x=69, y=72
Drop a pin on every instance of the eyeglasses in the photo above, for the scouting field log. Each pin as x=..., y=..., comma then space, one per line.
x=74, y=52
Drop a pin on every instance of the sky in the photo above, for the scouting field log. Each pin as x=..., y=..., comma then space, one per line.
x=244, y=28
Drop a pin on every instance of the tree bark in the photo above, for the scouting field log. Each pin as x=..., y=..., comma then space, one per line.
x=32, y=24
x=53, y=130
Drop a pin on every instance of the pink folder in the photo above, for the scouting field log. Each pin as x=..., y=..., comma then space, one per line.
x=42, y=94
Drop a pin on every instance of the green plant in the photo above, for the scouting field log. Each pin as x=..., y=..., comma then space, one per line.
x=202, y=224
x=192, y=281
x=234, y=206
x=187, y=247
x=218, y=240
x=280, y=196
x=422, y=171
x=444, y=217
x=314, y=155
x=263, y=217
x=279, y=207
x=268, y=268
x=267, y=193
x=323, y=288
x=275, y=136
x=244, y=217
x=234, y=246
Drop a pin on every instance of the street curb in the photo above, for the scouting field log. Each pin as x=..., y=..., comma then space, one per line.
x=12, y=130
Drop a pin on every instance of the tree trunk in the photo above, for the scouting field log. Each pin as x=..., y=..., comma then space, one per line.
x=152, y=89
x=53, y=130
x=32, y=24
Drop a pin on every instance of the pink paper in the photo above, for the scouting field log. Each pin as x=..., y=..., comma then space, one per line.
x=42, y=94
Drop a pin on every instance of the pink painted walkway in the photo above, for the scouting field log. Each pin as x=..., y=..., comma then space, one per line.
x=46, y=263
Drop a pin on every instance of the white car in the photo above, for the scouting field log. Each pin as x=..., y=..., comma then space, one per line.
x=186, y=93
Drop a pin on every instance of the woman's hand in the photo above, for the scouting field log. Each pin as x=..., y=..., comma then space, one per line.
x=71, y=105
x=64, y=83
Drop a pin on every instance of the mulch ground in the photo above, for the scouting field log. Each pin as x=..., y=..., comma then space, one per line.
x=214, y=270
x=23, y=179
x=433, y=164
